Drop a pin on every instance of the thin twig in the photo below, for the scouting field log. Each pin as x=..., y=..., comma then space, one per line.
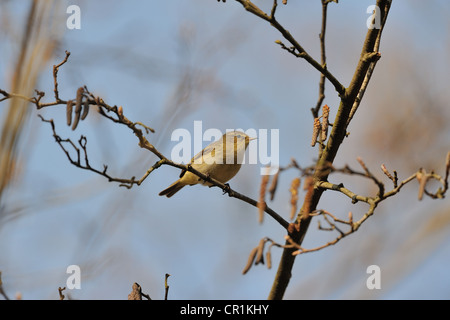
x=137, y=294
x=2, y=292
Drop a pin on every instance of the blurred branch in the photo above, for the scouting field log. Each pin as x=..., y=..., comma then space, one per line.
x=36, y=100
x=317, y=176
x=373, y=201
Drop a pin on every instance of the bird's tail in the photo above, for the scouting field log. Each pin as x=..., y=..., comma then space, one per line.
x=172, y=189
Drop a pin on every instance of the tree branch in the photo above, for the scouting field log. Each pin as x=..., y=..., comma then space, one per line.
x=333, y=222
x=335, y=139
x=323, y=59
x=301, y=52
x=143, y=143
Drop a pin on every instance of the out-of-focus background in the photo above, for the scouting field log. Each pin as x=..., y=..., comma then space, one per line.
x=169, y=63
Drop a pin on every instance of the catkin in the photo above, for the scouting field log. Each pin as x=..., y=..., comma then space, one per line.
x=325, y=114
x=262, y=197
x=273, y=185
x=250, y=260
x=78, y=101
x=69, y=112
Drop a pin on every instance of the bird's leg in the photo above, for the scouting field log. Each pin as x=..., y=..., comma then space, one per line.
x=227, y=189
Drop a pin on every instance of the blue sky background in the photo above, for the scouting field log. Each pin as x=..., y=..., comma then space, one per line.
x=135, y=54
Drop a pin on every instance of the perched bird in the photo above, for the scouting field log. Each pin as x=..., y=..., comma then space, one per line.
x=220, y=160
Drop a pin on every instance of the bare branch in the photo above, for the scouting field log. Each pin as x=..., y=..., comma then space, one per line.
x=2, y=292
x=166, y=286
x=55, y=75
x=116, y=115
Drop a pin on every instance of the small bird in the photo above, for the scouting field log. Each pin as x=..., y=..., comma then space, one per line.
x=220, y=160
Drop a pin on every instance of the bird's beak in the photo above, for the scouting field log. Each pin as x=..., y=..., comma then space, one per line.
x=250, y=139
